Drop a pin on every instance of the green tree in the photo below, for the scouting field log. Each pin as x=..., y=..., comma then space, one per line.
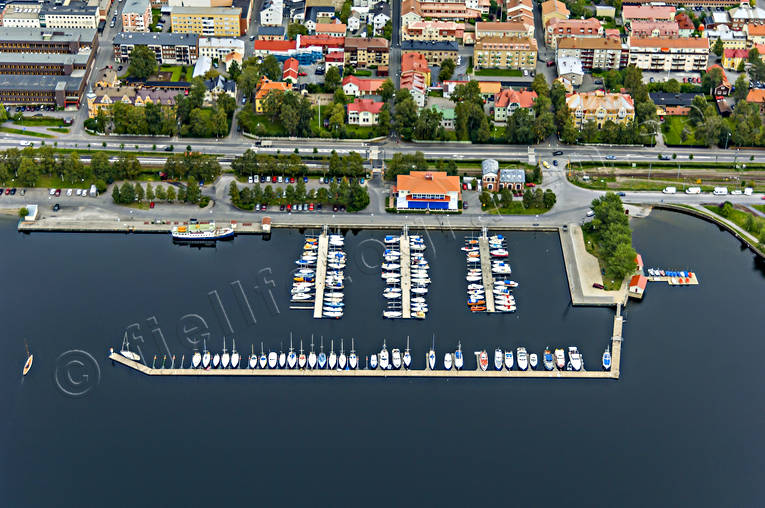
x=27, y=173
x=149, y=193
x=295, y=29
x=116, y=194
x=170, y=196
x=23, y=212
x=332, y=79
x=387, y=90
x=143, y=62
x=197, y=92
x=540, y=86
x=127, y=193
x=160, y=193
x=447, y=70
x=139, y=192
x=549, y=199
x=717, y=48
x=405, y=114
x=234, y=71
x=742, y=87
x=271, y=69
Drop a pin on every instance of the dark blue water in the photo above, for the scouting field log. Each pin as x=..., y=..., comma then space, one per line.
x=683, y=426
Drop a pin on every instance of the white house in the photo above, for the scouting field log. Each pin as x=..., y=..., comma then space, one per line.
x=354, y=21
x=271, y=13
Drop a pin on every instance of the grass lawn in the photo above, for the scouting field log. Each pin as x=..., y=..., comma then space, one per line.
x=62, y=130
x=268, y=128
x=39, y=121
x=499, y=72
x=54, y=182
x=516, y=209
x=177, y=71
x=740, y=218
x=11, y=130
x=352, y=131
x=672, y=129
x=759, y=207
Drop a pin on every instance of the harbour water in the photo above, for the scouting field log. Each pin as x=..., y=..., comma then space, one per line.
x=681, y=426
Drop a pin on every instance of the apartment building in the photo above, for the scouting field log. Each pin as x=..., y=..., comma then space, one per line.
x=433, y=31
x=505, y=53
x=632, y=13
x=72, y=15
x=45, y=64
x=502, y=29
x=434, y=52
x=594, y=53
x=365, y=52
x=746, y=15
x=600, y=107
x=520, y=11
x=558, y=29
x=206, y=21
x=219, y=48
x=21, y=15
x=684, y=24
x=34, y=40
x=272, y=13
x=755, y=34
x=444, y=10
x=331, y=29
x=105, y=97
x=169, y=48
x=654, y=29
x=657, y=54
x=136, y=16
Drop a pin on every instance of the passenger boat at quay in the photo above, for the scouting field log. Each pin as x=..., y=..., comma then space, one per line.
x=201, y=232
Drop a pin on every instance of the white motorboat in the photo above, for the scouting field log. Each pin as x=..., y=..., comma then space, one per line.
x=322, y=359
x=263, y=359
x=396, y=358
x=205, y=357
x=407, y=355
x=253, y=358
x=384, y=359
x=432, y=355
x=459, y=360
x=509, y=359
x=392, y=296
x=353, y=360
x=332, y=356
x=196, y=359
x=291, y=357
x=547, y=359
x=419, y=291
x=235, y=357
x=373, y=361
x=483, y=360
x=607, y=359
x=560, y=359
x=498, y=359
x=216, y=361
x=342, y=360
x=533, y=361
x=448, y=361
x=392, y=314
x=126, y=352
x=390, y=266
x=575, y=357
x=391, y=239
x=312, y=357
x=523, y=358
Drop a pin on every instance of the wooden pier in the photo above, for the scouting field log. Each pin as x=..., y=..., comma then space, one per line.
x=406, y=276
x=321, y=274
x=488, y=278
x=616, y=341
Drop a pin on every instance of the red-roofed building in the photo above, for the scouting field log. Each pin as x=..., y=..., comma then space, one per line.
x=684, y=24
x=637, y=286
x=427, y=190
x=364, y=112
x=325, y=42
x=507, y=101
x=757, y=96
x=335, y=58
x=732, y=58
x=331, y=29
x=415, y=76
x=357, y=87
x=276, y=48
x=290, y=72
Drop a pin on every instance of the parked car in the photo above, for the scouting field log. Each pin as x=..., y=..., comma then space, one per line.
x=69, y=192
x=597, y=285
x=56, y=207
x=557, y=153
x=281, y=208
x=610, y=157
x=13, y=191
x=621, y=194
x=58, y=192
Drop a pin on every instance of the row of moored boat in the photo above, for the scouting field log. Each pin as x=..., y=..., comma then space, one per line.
x=418, y=277
x=304, y=279
x=502, y=286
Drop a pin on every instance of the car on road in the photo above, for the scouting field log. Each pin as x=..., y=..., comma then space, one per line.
x=610, y=157
x=57, y=193
x=305, y=179
x=736, y=192
x=24, y=142
x=280, y=179
x=1, y=191
x=664, y=157
x=555, y=162
x=590, y=213
x=151, y=204
x=56, y=207
x=13, y=191
x=69, y=192
x=597, y=285
x=51, y=192
x=168, y=148
x=273, y=179
x=557, y=153
x=334, y=208
x=621, y=194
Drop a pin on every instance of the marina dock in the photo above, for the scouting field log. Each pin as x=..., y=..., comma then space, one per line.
x=321, y=274
x=486, y=273
x=406, y=276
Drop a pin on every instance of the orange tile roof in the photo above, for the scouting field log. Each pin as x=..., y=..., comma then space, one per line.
x=335, y=28
x=368, y=105
x=265, y=86
x=414, y=62
x=554, y=6
x=589, y=43
x=755, y=29
x=524, y=98
x=638, y=281
x=428, y=182
x=756, y=95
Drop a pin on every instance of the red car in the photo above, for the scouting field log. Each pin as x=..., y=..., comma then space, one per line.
x=310, y=207
x=273, y=179
x=58, y=192
x=289, y=208
x=7, y=191
x=302, y=74
x=151, y=205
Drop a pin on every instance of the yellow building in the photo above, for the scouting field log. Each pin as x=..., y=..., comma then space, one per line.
x=553, y=9
x=505, y=53
x=266, y=86
x=600, y=107
x=206, y=21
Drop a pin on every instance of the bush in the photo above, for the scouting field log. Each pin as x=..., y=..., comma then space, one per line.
x=204, y=201
x=23, y=212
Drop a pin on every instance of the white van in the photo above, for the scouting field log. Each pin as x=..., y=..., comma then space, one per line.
x=720, y=191
x=693, y=190
x=748, y=191
x=669, y=190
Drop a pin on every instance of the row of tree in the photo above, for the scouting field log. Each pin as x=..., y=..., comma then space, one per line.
x=129, y=193
x=352, y=195
x=404, y=163
x=531, y=199
x=611, y=229
x=251, y=163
